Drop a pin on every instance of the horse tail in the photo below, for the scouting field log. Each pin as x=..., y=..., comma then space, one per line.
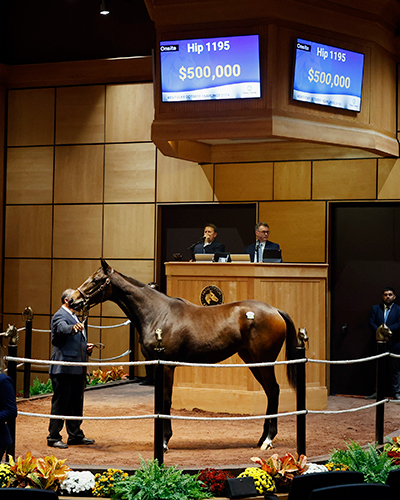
x=291, y=344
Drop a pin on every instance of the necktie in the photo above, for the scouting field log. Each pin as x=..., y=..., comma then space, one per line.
x=387, y=311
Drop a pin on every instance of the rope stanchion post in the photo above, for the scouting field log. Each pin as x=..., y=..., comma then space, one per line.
x=301, y=392
x=381, y=348
x=28, y=317
x=132, y=348
x=159, y=400
x=12, y=332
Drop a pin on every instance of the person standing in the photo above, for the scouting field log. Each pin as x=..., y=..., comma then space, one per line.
x=69, y=341
x=209, y=243
x=388, y=313
x=8, y=408
x=256, y=249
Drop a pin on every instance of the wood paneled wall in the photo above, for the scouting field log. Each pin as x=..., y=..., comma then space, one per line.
x=84, y=182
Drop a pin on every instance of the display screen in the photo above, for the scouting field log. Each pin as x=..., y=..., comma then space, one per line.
x=328, y=75
x=210, y=68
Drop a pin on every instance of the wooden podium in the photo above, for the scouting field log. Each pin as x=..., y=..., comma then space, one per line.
x=298, y=289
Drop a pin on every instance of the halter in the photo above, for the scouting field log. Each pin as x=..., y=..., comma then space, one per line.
x=87, y=296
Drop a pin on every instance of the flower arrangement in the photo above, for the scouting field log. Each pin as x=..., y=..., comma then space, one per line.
x=282, y=470
x=6, y=476
x=104, y=483
x=102, y=376
x=77, y=482
x=153, y=482
x=375, y=465
x=214, y=480
x=392, y=448
x=262, y=480
x=43, y=473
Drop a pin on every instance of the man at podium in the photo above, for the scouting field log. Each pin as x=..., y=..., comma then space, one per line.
x=208, y=243
x=256, y=250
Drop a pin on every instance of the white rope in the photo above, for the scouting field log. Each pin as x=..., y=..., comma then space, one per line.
x=161, y=416
x=233, y=365
x=75, y=363
x=127, y=322
x=350, y=410
x=347, y=361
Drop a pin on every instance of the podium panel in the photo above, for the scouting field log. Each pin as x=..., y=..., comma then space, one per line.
x=298, y=289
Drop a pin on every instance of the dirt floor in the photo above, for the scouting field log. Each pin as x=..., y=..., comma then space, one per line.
x=195, y=444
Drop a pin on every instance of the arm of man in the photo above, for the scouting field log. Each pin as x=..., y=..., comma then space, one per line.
x=373, y=318
x=7, y=400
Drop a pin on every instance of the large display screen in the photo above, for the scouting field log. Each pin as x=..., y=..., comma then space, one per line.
x=210, y=68
x=328, y=75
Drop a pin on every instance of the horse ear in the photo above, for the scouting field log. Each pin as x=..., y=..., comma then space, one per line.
x=104, y=265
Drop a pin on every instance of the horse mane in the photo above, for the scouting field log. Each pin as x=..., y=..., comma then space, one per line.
x=138, y=283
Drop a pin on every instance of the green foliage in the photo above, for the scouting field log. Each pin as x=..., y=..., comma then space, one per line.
x=7, y=477
x=373, y=464
x=154, y=482
x=39, y=387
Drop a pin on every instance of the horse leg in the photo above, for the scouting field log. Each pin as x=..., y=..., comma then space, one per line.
x=168, y=383
x=271, y=389
x=266, y=377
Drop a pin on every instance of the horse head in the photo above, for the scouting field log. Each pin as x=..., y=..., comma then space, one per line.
x=97, y=288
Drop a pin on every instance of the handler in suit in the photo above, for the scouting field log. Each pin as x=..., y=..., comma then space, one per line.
x=69, y=344
x=389, y=313
x=8, y=408
x=209, y=245
x=262, y=242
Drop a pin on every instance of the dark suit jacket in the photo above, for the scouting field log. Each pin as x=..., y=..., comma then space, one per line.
x=213, y=247
x=8, y=409
x=67, y=345
x=251, y=249
x=376, y=318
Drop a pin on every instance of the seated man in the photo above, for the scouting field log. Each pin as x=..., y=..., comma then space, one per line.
x=209, y=245
x=256, y=250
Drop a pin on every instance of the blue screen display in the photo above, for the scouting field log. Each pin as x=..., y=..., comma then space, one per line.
x=328, y=75
x=210, y=68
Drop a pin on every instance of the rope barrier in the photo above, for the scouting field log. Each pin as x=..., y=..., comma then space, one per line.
x=348, y=361
x=162, y=416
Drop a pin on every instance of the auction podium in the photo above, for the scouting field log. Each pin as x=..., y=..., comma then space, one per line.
x=298, y=289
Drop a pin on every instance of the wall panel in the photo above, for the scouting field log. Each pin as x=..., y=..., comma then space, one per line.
x=344, y=179
x=27, y=282
x=80, y=114
x=389, y=179
x=129, y=231
x=28, y=231
x=77, y=231
x=30, y=117
x=299, y=228
x=29, y=175
x=78, y=175
x=292, y=180
x=182, y=181
x=243, y=181
x=130, y=173
x=129, y=112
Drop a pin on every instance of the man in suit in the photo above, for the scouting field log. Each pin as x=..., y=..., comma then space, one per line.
x=262, y=242
x=209, y=245
x=387, y=312
x=69, y=341
x=8, y=408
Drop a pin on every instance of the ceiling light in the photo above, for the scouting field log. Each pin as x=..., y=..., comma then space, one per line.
x=104, y=8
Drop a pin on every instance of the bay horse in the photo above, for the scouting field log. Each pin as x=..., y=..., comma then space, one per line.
x=198, y=334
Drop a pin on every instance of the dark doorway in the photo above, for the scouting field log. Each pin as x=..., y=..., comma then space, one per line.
x=182, y=225
x=365, y=258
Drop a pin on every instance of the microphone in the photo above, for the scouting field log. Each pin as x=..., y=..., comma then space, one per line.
x=258, y=251
x=196, y=243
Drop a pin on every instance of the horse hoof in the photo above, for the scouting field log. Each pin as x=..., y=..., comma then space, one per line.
x=267, y=444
